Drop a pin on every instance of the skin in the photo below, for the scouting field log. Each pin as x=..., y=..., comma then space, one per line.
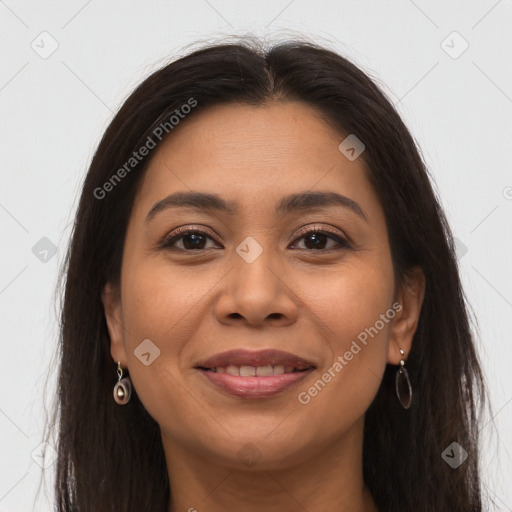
x=310, y=301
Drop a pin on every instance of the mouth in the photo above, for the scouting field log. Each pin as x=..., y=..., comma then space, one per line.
x=247, y=374
x=255, y=371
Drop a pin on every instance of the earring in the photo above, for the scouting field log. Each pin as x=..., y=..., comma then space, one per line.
x=403, y=384
x=123, y=387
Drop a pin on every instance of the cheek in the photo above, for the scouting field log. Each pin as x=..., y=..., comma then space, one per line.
x=353, y=299
x=354, y=308
x=159, y=301
x=165, y=306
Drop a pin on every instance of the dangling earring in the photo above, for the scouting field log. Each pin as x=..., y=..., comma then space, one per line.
x=403, y=384
x=123, y=387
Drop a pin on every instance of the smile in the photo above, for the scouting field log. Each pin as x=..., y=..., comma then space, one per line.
x=249, y=374
x=255, y=371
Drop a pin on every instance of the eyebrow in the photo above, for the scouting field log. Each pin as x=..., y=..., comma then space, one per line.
x=300, y=202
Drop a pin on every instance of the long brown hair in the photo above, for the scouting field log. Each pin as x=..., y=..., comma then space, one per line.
x=110, y=457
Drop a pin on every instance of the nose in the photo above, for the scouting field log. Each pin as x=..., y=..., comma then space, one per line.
x=257, y=291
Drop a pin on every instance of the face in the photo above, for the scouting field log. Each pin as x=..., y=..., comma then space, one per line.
x=312, y=277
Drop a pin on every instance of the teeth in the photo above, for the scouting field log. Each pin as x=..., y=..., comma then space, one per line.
x=253, y=371
x=278, y=369
x=247, y=371
x=264, y=371
x=233, y=370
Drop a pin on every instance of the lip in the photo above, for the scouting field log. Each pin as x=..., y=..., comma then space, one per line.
x=255, y=387
x=240, y=357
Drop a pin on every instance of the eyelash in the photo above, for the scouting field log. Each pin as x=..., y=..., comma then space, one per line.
x=167, y=241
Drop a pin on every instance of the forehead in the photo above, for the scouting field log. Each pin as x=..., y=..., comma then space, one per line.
x=249, y=154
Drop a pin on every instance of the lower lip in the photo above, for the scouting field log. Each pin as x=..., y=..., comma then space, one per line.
x=255, y=387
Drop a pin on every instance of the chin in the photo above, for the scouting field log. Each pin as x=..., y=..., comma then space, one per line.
x=253, y=453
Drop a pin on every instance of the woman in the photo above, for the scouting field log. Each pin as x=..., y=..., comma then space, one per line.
x=262, y=307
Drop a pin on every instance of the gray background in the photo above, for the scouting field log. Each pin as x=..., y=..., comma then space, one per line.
x=55, y=106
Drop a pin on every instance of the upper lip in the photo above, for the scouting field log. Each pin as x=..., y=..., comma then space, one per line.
x=240, y=357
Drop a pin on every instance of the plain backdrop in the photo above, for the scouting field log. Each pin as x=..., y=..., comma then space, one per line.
x=67, y=66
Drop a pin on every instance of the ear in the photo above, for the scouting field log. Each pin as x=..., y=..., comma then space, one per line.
x=111, y=299
x=410, y=297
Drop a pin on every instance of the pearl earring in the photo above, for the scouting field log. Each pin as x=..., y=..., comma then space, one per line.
x=123, y=387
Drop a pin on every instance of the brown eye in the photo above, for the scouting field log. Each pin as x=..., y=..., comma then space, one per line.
x=191, y=240
x=316, y=240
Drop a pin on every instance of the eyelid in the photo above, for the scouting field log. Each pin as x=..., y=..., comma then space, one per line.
x=319, y=227
x=191, y=227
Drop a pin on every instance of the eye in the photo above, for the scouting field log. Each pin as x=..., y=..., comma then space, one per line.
x=316, y=239
x=191, y=239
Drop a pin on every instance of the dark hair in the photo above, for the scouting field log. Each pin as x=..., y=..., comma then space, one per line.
x=111, y=457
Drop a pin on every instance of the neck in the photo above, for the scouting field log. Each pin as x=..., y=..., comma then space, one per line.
x=330, y=480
